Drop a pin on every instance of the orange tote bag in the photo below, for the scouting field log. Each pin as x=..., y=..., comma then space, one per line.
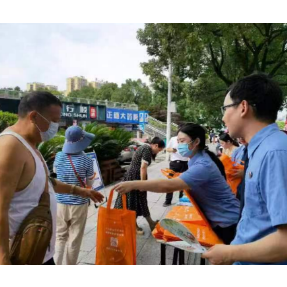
x=116, y=235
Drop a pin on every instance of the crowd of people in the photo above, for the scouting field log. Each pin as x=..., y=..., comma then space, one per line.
x=252, y=223
x=257, y=224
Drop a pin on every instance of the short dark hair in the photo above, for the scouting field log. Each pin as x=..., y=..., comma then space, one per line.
x=158, y=141
x=37, y=101
x=262, y=93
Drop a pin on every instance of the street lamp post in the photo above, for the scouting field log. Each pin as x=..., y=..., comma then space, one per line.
x=169, y=99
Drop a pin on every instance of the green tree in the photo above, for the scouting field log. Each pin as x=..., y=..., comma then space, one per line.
x=54, y=92
x=106, y=91
x=135, y=92
x=159, y=95
x=17, y=89
x=85, y=93
x=75, y=94
x=7, y=119
x=212, y=56
x=192, y=109
x=229, y=50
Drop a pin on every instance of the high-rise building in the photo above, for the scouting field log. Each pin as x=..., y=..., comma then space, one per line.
x=96, y=84
x=36, y=86
x=76, y=83
x=93, y=84
x=70, y=86
x=29, y=87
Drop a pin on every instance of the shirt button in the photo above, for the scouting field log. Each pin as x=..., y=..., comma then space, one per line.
x=250, y=174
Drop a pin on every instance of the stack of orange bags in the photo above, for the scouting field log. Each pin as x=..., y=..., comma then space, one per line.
x=204, y=234
x=191, y=217
x=186, y=214
x=192, y=220
x=181, y=214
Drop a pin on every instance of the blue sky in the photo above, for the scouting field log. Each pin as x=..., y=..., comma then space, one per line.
x=50, y=53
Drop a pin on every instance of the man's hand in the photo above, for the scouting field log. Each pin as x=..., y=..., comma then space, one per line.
x=124, y=187
x=219, y=254
x=89, y=193
x=64, y=188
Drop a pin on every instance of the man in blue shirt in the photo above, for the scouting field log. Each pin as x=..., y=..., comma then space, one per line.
x=250, y=110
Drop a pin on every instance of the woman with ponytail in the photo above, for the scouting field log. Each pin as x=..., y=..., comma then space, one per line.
x=205, y=180
x=229, y=144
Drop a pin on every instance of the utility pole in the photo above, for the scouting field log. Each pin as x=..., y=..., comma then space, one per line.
x=168, y=118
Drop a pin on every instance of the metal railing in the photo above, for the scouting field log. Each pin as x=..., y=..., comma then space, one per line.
x=154, y=132
x=161, y=123
x=162, y=126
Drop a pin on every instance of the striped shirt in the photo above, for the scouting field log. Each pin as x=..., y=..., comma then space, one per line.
x=65, y=173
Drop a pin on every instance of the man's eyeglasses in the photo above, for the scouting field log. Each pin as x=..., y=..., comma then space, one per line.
x=223, y=108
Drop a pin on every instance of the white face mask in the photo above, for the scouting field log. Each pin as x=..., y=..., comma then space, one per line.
x=51, y=132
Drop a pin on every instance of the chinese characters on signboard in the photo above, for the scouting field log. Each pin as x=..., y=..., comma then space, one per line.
x=143, y=117
x=80, y=112
x=122, y=116
x=75, y=111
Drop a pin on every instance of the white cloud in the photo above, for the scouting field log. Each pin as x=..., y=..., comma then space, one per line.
x=50, y=53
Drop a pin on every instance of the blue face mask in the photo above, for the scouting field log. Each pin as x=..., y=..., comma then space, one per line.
x=184, y=150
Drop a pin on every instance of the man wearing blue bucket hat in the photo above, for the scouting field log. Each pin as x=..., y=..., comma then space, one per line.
x=72, y=166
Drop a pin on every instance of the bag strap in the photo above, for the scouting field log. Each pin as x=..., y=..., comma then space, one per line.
x=76, y=174
x=45, y=197
x=124, y=200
